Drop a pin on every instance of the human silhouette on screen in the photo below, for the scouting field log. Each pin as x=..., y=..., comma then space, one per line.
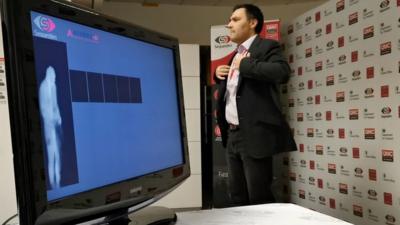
x=52, y=125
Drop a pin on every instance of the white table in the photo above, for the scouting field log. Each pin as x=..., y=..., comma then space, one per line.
x=267, y=214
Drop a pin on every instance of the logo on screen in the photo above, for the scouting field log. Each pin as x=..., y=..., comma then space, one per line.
x=44, y=23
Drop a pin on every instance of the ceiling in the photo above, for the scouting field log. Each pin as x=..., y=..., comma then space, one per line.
x=155, y=3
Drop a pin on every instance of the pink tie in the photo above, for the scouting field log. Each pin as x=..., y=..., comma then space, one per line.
x=240, y=49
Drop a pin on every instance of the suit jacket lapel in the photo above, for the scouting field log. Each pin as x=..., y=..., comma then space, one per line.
x=252, y=49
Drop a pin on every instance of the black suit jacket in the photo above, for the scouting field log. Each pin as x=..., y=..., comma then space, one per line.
x=263, y=126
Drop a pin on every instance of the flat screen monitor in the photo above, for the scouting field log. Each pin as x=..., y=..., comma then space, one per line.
x=96, y=111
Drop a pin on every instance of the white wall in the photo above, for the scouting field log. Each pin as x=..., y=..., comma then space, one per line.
x=191, y=24
x=189, y=193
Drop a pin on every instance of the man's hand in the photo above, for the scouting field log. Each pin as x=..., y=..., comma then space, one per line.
x=222, y=72
x=238, y=59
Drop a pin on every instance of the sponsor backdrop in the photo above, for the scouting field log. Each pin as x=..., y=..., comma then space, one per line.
x=222, y=50
x=343, y=103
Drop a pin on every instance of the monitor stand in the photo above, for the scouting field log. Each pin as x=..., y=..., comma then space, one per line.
x=154, y=215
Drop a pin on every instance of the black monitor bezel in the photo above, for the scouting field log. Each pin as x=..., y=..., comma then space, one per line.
x=25, y=116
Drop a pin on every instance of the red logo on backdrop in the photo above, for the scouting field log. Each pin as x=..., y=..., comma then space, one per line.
x=319, y=149
x=285, y=161
x=318, y=66
x=299, y=117
x=372, y=174
x=341, y=41
x=354, y=56
x=358, y=210
x=398, y=3
x=356, y=153
x=290, y=58
x=353, y=18
x=300, y=71
x=312, y=165
x=368, y=32
x=369, y=133
x=330, y=80
x=341, y=133
x=217, y=131
x=292, y=176
x=310, y=84
x=353, y=114
x=399, y=110
x=298, y=40
x=308, y=52
x=339, y=5
x=328, y=28
x=370, y=72
x=318, y=100
x=310, y=132
x=290, y=29
x=272, y=30
x=301, y=147
x=386, y=48
x=387, y=198
x=318, y=16
x=332, y=168
x=343, y=188
x=328, y=115
x=332, y=203
x=216, y=94
x=302, y=194
x=291, y=102
x=385, y=91
x=387, y=155
x=340, y=96
x=320, y=183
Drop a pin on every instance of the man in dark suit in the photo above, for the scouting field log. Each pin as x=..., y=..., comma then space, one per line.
x=249, y=116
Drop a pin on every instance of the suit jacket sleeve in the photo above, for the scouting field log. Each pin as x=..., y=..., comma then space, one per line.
x=271, y=66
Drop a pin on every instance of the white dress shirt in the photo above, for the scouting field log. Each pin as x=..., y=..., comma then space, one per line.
x=231, y=114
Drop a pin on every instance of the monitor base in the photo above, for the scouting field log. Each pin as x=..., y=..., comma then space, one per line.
x=154, y=215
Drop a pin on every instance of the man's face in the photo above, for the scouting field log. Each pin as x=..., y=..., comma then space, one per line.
x=240, y=27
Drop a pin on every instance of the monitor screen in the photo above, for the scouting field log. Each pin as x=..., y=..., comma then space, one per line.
x=104, y=99
x=96, y=113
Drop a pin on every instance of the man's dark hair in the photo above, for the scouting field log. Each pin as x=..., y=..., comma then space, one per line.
x=252, y=12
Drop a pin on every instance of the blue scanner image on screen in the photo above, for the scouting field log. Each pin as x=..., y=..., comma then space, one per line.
x=109, y=106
